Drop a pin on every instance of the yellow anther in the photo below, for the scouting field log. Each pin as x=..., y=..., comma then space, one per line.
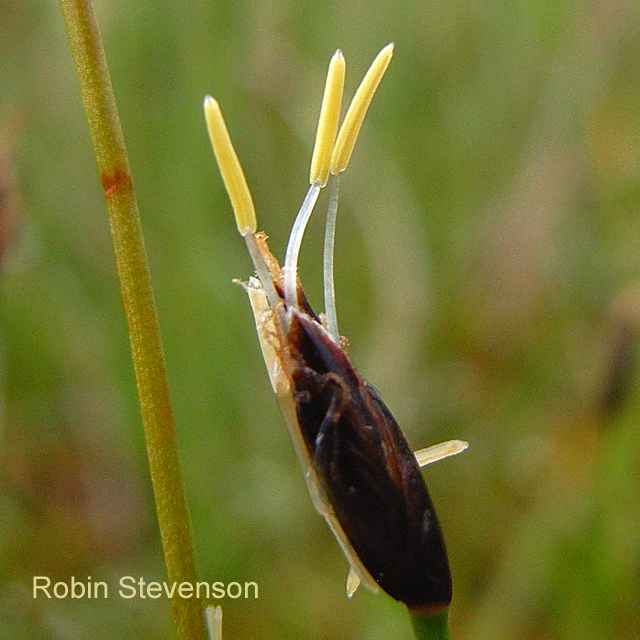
x=232, y=174
x=328, y=121
x=358, y=109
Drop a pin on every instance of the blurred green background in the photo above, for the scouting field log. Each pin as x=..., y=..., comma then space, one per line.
x=488, y=278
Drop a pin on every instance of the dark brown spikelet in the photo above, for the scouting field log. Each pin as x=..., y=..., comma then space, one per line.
x=366, y=468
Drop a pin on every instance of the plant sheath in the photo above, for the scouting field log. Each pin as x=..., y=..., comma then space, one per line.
x=140, y=310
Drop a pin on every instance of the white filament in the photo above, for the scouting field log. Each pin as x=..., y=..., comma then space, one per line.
x=329, y=243
x=295, y=242
x=262, y=270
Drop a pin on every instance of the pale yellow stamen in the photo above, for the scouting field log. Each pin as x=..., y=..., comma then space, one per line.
x=328, y=121
x=358, y=109
x=230, y=168
x=440, y=451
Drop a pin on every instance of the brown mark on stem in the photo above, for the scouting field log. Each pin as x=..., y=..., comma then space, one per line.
x=120, y=179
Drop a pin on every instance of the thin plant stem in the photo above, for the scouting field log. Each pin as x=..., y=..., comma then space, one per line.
x=431, y=625
x=140, y=310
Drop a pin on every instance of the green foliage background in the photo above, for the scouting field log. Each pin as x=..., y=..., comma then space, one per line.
x=488, y=270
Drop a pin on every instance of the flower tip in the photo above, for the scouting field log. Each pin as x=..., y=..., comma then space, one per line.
x=211, y=110
x=350, y=128
x=232, y=174
x=328, y=120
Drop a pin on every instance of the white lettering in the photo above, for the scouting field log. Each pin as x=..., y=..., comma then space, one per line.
x=123, y=580
x=246, y=589
x=206, y=586
x=166, y=590
x=44, y=587
x=185, y=587
x=154, y=590
x=76, y=583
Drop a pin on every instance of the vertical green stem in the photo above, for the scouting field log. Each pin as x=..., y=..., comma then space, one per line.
x=431, y=625
x=144, y=334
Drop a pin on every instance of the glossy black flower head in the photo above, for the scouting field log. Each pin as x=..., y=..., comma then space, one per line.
x=365, y=468
x=361, y=473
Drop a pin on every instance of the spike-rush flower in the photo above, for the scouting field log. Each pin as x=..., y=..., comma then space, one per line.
x=360, y=471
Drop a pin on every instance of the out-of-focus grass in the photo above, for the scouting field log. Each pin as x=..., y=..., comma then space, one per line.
x=488, y=262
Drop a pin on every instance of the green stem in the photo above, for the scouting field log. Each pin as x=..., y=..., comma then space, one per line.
x=140, y=310
x=431, y=625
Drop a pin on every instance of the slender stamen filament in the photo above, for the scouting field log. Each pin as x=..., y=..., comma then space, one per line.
x=295, y=242
x=331, y=313
x=262, y=270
